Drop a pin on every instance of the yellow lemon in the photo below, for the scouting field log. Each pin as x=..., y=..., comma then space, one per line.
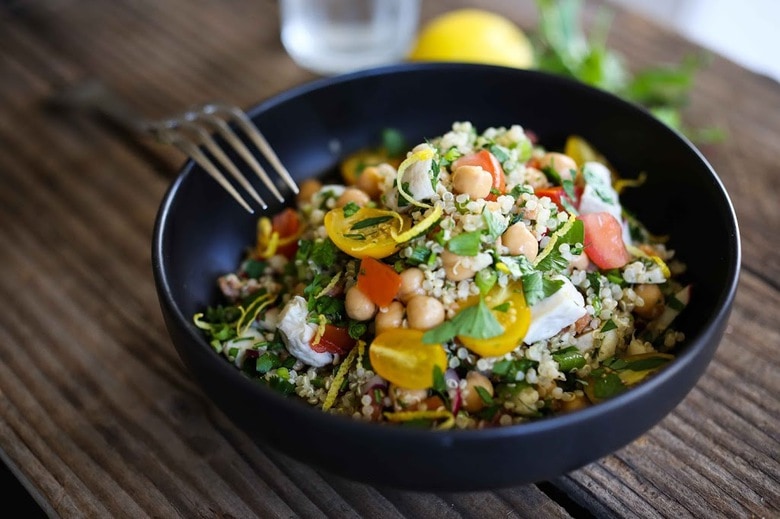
x=473, y=36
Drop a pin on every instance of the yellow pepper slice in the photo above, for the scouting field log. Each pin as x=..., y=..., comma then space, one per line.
x=400, y=356
x=508, y=306
x=369, y=232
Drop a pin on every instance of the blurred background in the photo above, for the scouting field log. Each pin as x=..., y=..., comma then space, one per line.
x=742, y=31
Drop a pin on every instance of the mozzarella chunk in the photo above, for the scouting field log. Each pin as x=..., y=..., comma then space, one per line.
x=297, y=334
x=418, y=176
x=555, y=312
x=599, y=195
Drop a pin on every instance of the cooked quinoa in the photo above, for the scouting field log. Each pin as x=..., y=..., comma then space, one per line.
x=477, y=280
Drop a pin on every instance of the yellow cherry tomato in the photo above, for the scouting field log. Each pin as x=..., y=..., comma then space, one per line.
x=369, y=232
x=352, y=167
x=507, y=304
x=400, y=356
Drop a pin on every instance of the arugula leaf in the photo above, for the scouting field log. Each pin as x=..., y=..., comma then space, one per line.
x=475, y=321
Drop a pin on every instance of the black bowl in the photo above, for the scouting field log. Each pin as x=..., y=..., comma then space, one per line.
x=201, y=233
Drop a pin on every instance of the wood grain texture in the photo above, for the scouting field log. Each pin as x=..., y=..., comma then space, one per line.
x=98, y=416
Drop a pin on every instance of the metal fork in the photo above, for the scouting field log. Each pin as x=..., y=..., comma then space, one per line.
x=193, y=132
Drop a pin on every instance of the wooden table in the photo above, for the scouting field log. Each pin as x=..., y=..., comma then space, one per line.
x=98, y=416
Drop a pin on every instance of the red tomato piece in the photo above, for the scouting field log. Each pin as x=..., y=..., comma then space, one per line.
x=557, y=193
x=335, y=339
x=603, y=240
x=487, y=161
x=287, y=223
x=378, y=281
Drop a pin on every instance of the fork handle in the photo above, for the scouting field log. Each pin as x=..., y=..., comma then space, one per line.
x=94, y=96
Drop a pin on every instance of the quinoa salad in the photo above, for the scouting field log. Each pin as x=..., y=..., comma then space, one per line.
x=474, y=280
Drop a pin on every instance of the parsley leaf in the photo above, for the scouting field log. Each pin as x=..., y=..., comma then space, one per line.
x=475, y=321
x=495, y=226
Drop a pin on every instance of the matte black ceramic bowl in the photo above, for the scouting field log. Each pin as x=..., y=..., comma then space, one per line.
x=202, y=233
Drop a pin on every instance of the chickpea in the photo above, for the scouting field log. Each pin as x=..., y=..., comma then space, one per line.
x=578, y=402
x=358, y=306
x=472, y=402
x=389, y=318
x=653, y=301
x=456, y=268
x=472, y=181
x=353, y=194
x=536, y=178
x=560, y=163
x=370, y=181
x=411, y=284
x=519, y=240
x=307, y=189
x=404, y=398
x=424, y=312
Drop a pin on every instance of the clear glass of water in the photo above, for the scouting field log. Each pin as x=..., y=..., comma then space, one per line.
x=331, y=37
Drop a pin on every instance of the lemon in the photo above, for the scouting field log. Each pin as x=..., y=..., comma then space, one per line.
x=473, y=36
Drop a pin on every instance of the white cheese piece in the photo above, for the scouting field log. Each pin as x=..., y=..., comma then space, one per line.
x=555, y=312
x=418, y=175
x=598, y=195
x=297, y=334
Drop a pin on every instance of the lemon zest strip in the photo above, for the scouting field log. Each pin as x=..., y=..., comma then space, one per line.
x=320, y=329
x=253, y=310
x=419, y=227
x=554, y=239
x=329, y=286
x=623, y=183
x=335, y=386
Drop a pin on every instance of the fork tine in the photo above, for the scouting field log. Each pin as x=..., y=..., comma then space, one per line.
x=257, y=138
x=211, y=145
x=242, y=150
x=189, y=148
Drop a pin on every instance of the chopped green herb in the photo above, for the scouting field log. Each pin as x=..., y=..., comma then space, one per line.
x=484, y=395
x=350, y=209
x=370, y=222
x=465, y=244
x=608, y=386
x=609, y=325
x=475, y=321
x=393, y=141
x=569, y=359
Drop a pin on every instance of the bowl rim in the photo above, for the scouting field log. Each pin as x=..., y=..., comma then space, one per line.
x=692, y=347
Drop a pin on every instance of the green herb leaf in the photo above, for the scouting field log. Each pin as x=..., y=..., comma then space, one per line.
x=569, y=359
x=350, y=209
x=608, y=386
x=495, y=225
x=370, y=222
x=393, y=141
x=474, y=321
x=465, y=244
x=484, y=395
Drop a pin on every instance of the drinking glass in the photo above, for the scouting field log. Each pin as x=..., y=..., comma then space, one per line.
x=331, y=37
